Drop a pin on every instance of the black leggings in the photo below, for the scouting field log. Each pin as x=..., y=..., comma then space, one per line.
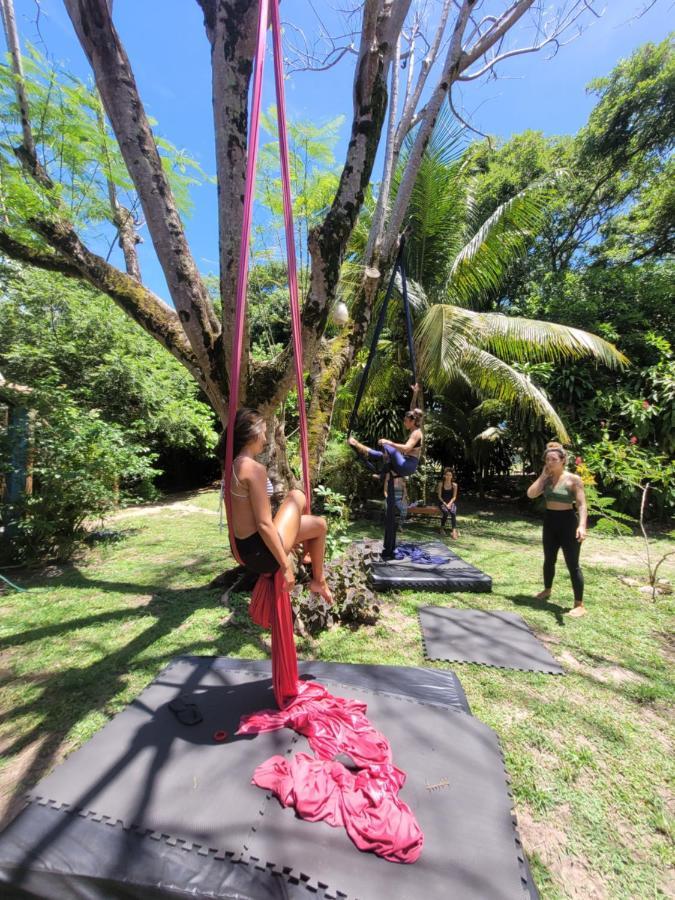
x=560, y=531
x=448, y=509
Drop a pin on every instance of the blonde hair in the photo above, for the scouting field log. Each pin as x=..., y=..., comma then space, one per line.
x=555, y=447
x=416, y=415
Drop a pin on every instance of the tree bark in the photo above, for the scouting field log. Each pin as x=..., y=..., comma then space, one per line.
x=231, y=30
x=123, y=105
x=74, y=260
x=127, y=237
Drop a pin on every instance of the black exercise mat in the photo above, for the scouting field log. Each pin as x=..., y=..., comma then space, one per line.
x=452, y=575
x=500, y=639
x=146, y=769
x=426, y=685
x=455, y=786
x=202, y=808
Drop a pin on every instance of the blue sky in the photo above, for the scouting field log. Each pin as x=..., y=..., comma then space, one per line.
x=170, y=56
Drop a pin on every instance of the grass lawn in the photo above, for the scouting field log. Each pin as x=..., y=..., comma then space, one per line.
x=590, y=755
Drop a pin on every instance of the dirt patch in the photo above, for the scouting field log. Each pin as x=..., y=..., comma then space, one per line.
x=617, y=675
x=667, y=641
x=394, y=619
x=572, y=873
x=139, y=600
x=610, y=674
x=13, y=779
x=143, y=511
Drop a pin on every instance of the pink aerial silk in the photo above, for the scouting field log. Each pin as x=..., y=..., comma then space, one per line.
x=270, y=602
x=364, y=802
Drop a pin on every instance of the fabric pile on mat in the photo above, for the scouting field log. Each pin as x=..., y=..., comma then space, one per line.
x=363, y=800
x=417, y=554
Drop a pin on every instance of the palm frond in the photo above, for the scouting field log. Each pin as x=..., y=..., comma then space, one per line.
x=492, y=378
x=441, y=340
x=419, y=301
x=533, y=340
x=480, y=266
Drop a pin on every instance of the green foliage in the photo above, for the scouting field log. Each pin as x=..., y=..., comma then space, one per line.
x=459, y=254
x=314, y=180
x=354, y=603
x=62, y=336
x=341, y=470
x=82, y=467
x=110, y=404
x=624, y=467
x=333, y=506
x=600, y=262
x=76, y=149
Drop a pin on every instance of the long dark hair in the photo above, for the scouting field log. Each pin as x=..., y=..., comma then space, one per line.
x=248, y=425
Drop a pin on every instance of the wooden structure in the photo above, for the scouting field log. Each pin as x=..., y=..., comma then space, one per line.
x=15, y=428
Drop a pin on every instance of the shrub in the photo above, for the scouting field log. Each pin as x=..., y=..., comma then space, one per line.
x=354, y=603
x=623, y=466
x=334, y=507
x=82, y=467
x=343, y=473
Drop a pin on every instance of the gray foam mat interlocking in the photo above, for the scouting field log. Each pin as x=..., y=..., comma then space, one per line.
x=500, y=639
x=146, y=792
x=453, y=574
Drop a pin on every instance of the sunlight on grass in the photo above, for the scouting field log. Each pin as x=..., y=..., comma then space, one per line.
x=590, y=754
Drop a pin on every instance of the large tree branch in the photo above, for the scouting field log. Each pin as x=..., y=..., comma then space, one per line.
x=117, y=86
x=448, y=76
x=74, y=260
x=123, y=220
x=410, y=106
x=24, y=253
x=382, y=23
x=381, y=27
x=389, y=164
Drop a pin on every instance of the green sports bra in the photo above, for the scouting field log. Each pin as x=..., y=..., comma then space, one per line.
x=560, y=493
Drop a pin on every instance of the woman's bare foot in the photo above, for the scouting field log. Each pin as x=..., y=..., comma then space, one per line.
x=455, y=534
x=578, y=610
x=543, y=595
x=302, y=557
x=321, y=588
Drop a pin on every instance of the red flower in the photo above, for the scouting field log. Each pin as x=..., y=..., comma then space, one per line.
x=646, y=404
x=578, y=461
x=633, y=440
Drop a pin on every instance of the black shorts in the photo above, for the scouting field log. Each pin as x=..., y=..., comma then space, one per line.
x=256, y=555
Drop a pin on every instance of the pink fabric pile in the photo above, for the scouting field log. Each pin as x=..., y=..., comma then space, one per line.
x=363, y=800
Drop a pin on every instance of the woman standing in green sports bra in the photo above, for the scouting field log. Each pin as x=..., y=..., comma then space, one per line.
x=563, y=527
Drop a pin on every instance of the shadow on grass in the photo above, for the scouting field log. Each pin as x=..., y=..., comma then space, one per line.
x=68, y=695
x=558, y=612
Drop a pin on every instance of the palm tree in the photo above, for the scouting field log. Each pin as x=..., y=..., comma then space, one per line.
x=458, y=265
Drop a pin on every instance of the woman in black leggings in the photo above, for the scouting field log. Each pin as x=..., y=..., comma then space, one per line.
x=447, y=501
x=563, y=527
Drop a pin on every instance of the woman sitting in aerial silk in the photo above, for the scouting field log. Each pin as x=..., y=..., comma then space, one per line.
x=264, y=543
x=401, y=459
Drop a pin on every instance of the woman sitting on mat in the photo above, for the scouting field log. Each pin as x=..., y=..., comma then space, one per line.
x=265, y=543
x=402, y=459
x=562, y=528
x=447, y=501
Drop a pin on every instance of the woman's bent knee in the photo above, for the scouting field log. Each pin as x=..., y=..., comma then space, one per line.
x=298, y=497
